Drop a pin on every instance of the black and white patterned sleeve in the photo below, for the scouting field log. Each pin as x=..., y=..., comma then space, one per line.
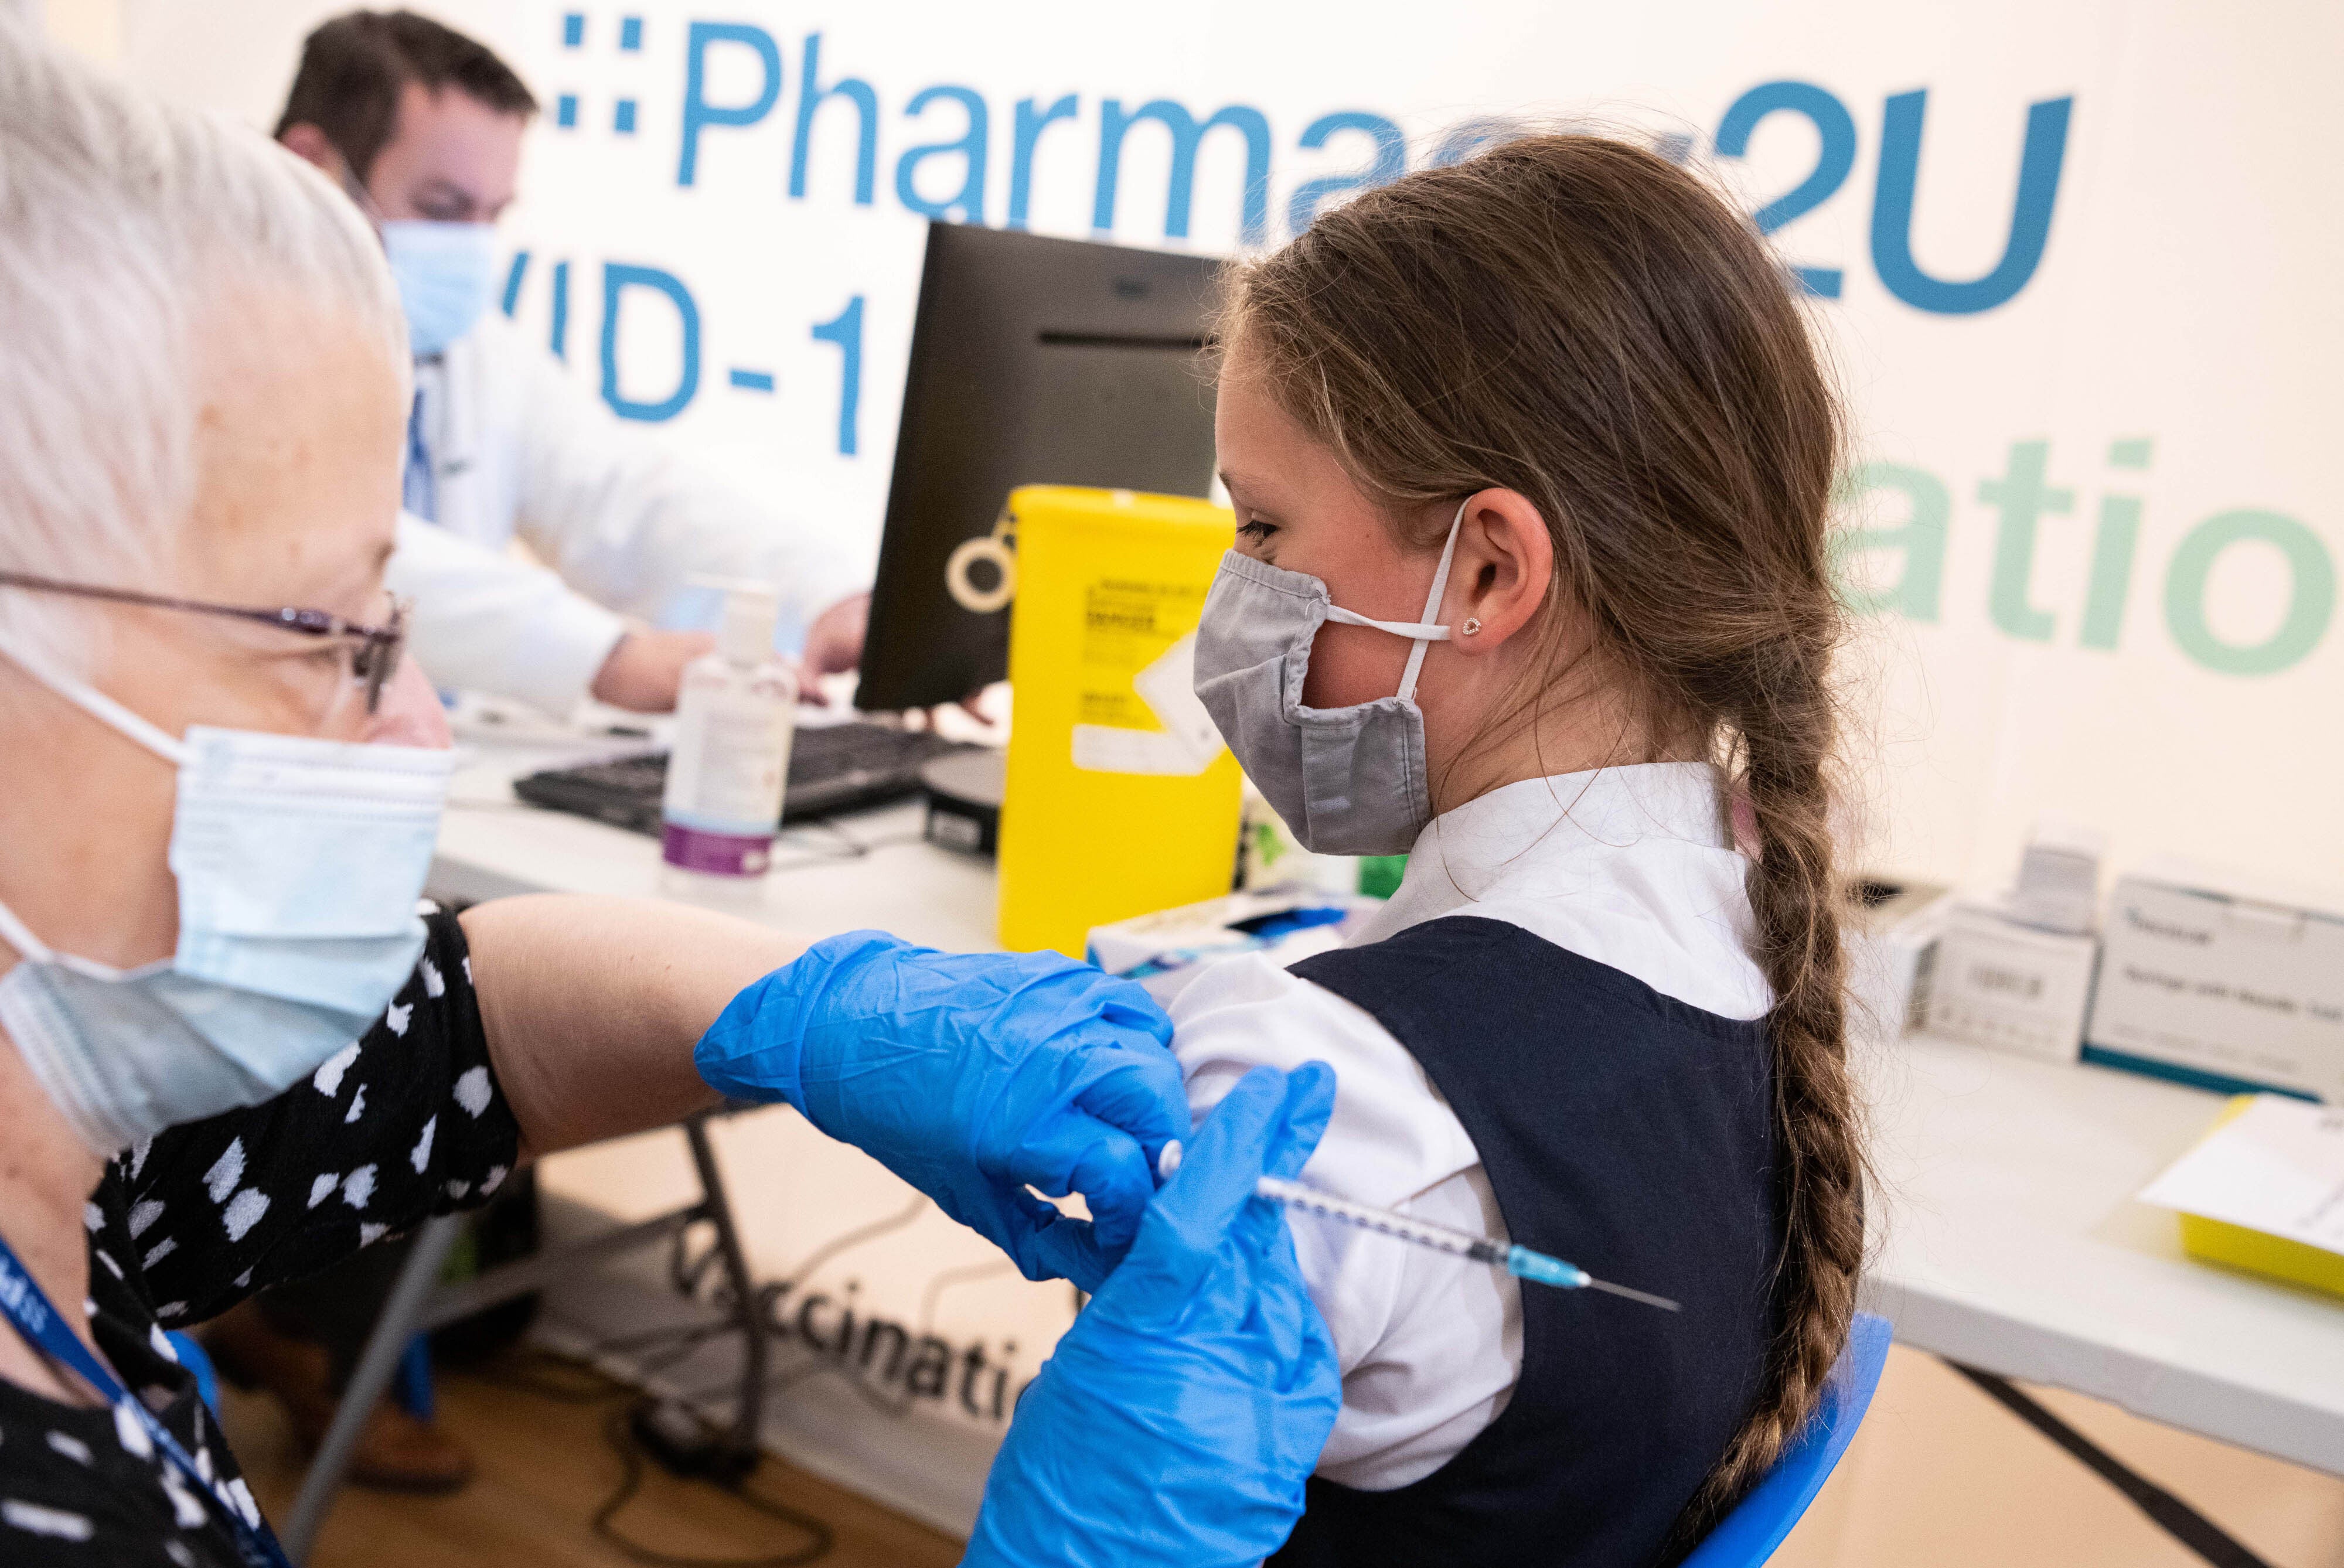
x=404, y=1123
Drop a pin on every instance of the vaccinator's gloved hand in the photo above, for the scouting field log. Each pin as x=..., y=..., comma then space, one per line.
x=1177, y=1421
x=971, y=1076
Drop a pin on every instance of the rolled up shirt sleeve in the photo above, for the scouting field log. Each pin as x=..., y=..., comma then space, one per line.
x=486, y=622
x=406, y=1122
x=627, y=520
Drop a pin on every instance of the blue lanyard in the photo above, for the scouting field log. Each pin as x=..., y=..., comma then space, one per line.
x=418, y=483
x=28, y=1309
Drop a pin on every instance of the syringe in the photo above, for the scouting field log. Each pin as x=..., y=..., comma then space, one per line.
x=1520, y=1261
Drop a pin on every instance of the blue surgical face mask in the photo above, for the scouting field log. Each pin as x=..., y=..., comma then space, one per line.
x=299, y=861
x=446, y=274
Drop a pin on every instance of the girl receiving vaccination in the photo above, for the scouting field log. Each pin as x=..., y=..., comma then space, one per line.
x=1531, y=459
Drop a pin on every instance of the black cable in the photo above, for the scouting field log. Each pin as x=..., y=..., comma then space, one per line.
x=849, y=846
x=2177, y=1519
x=894, y=1406
x=592, y=1386
x=685, y=1346
x=837, y=1244
x=622, y=1440
x=685, y=1272
x=675, y=1343
x=617, y=1432
x=945, y=1279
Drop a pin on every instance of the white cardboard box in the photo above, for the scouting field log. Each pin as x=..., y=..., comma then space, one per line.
x=2222, y=981
x=1892, y=934
x=2000, y=984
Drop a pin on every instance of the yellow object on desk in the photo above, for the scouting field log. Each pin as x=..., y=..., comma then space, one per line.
x=2245, y=1247
x=1120, y=798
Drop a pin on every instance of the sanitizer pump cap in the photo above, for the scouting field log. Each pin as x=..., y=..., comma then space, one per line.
x=750, y=609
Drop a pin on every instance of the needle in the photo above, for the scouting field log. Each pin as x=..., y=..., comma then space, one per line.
x=1520, y=1261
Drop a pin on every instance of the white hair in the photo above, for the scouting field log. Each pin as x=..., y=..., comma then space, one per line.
x=121, y=219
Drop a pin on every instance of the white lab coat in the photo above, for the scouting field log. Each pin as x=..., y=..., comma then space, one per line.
x=518, y=450
x=1632, y=866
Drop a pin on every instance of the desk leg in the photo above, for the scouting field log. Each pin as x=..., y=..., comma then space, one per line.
x=2177, y=1517
x=718, y=1208
x=401, y=1315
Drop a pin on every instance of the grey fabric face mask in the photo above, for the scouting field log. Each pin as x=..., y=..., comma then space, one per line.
x=1346, y=781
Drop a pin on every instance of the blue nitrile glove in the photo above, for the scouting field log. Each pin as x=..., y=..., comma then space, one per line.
x=1177, y=1421
x=970, y=1075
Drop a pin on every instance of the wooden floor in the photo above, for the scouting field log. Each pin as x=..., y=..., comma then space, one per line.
x=1940, y=1476
x=545, y=1469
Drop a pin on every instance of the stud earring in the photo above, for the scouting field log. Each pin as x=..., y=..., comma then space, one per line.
x=1473, y=625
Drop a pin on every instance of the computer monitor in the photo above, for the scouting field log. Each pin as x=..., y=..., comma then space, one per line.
x=1033, y=361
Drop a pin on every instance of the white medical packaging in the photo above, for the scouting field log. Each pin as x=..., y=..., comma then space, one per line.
x=1891, y=931
x=2223, y=981
x=2058, y=887
x=1997, y=983
x=1166, y=950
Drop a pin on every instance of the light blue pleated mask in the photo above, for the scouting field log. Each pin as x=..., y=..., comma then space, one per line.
x=446, y=274
x=1346, y=781
x=299, y=861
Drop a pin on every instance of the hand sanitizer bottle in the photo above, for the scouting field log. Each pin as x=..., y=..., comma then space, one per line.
x=734, y=718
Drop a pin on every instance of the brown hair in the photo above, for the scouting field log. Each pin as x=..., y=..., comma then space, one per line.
x=1577, y=319
x=354, y=65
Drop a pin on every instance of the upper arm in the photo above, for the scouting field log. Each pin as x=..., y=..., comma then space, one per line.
x=403, y=1123
x=1391, y=1138
x=1429, y=1345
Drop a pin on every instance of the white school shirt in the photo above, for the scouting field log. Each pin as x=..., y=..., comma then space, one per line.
x=518, y=449
x=1633, y=868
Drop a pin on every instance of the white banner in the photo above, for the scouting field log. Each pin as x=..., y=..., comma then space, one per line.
x=2074, y=261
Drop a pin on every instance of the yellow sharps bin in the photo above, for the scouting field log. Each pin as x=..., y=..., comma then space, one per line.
x=1120, y=798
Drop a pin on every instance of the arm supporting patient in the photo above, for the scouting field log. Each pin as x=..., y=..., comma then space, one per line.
x=592, y=1006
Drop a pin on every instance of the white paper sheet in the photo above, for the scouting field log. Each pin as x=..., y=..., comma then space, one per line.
x=2278, y=1167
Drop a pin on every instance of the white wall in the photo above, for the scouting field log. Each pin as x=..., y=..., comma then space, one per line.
x=2183, y=304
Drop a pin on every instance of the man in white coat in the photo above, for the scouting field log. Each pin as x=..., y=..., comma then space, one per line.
x=423, y=126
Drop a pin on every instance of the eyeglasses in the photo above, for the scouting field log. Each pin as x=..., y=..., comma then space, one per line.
x=373, y=651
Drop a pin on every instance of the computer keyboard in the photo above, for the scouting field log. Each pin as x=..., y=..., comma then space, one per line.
x=833, y=768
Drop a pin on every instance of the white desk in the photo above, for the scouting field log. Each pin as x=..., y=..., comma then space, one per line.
x=2007, y=1238
x=2005, y=1233
x=491, y=847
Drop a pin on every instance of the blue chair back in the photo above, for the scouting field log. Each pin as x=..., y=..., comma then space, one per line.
x=1748, y=1536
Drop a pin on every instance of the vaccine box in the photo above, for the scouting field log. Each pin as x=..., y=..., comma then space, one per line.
x=1997, y=983
x=2222, y=981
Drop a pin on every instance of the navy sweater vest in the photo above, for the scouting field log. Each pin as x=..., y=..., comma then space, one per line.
x=1632, y=1135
